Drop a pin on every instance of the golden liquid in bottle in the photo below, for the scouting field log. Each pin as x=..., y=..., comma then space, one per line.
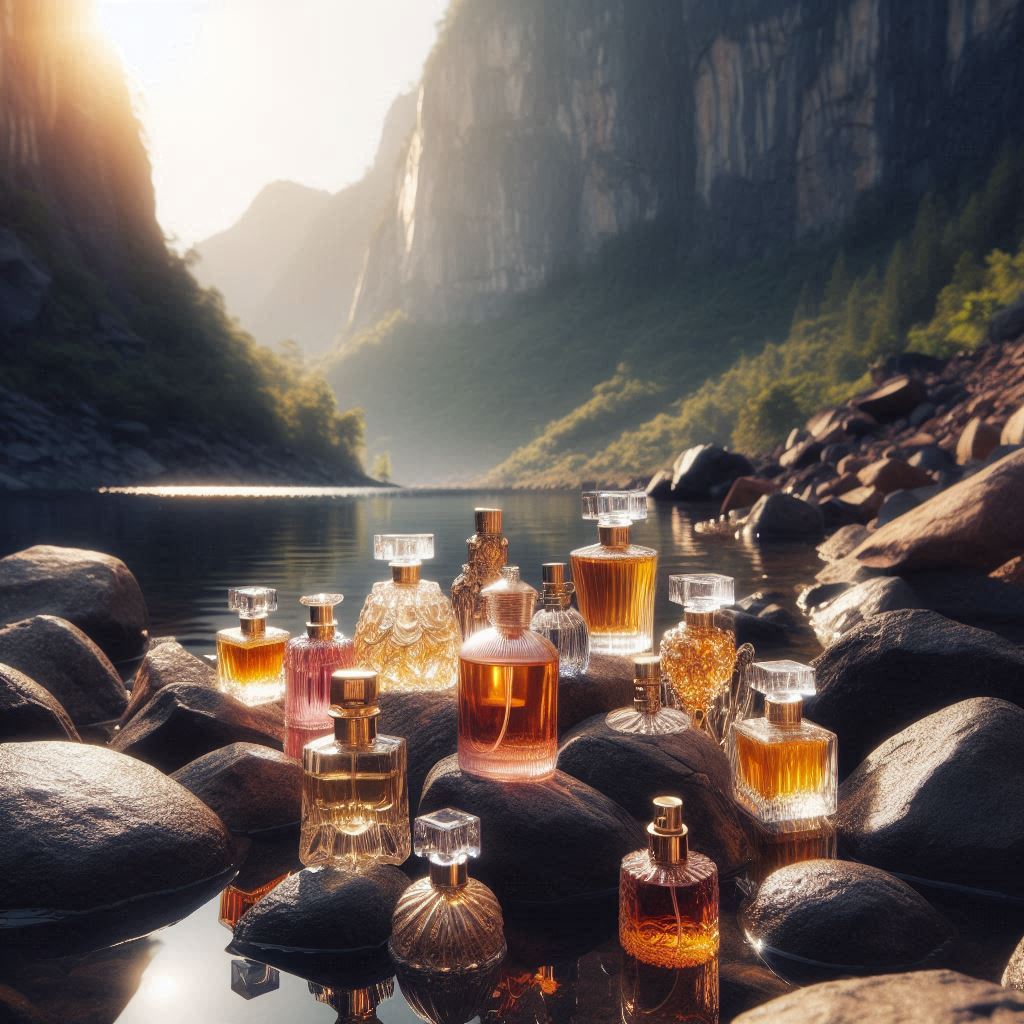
x=615, y=595
x=783, y=769
x=349, y=801
x=778, y=850
x=256, y=661
x=698, y=662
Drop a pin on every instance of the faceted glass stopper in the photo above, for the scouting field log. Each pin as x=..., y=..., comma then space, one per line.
x=615, y=508
x=252, y=602
x=447, y=836
x=782, y=678
x=321, y=600
x=403, y=548
x=250, y=979
x=702, y=590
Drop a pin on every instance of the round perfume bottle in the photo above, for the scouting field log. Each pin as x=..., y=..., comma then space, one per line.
x=560, y=623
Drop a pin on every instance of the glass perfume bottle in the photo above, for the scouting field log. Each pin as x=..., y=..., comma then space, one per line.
x=814, y=840
x=647, y=716
x=250, y=656
x=698, y=655
x=784, y=768
x=309, y=662
x=447, y=922
x=407, y=629
x=235, y=901
x=488, y=552
x=614, y=578
x=508, y=690
x=355, y=797
x=656, y=995
x=354, y=1005
x=557, y=620
x=250, y=979
x=668, y=896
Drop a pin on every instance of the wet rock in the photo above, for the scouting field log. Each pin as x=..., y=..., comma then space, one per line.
x=429, y=722
x=1013, y=429
x=96, y=592
x=845, y=915
x=842, y=542
x=819, y=594
x=852, y=464
x=660, y=486
x=701, y=470
x=860, y=602
x=184, y=721
x=61, y=658
x=631, y=770
x=1013, y=976
x=745, y=491
x=557, y=841
x=606, y=685
x=254, y=789
x=888, y=475
x=28, y=711
x=976, y=442
x=941, y=799
x=783, y=517
x=973, y=599
x=165, y=663
x=864, y=503
x=897, y=667
x=838, y=486
x=895, y=398
x=99, y=847
x=760, y=629
x=895, y=505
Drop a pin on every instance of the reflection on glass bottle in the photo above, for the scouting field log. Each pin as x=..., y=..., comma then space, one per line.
x=647, y=716
x=355, y=799
x=250, y=656
x=814, y=840
x=407, y=629
x=614, y=578
x=661, y=995
x=250, y=979
x=668, y=896
x=296, y=737
x=508, y=690
x=784, y=767
x=309, y=661
x=445, y=998
x=698, y=655
x=354, y=1005
x=488, y=552
x=235, y=901
x=560, y=623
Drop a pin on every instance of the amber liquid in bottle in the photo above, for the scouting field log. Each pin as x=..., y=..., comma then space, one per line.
x=616, y=598
x=251, y=668
x=698, y=661
x=234, y=902
x=786, y=769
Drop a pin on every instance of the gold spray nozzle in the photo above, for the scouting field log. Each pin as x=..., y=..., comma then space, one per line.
x=666, y=835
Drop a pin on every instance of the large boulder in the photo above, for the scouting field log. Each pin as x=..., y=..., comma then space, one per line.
x=888, y=475
x=632, y=770
x=61, y=658
x=1013, y=429
x=941, y=799
x=851, y=607
x=167, y=662
x=99, y=846
x=607, y=684
x=780, y=517
x=707, y=471
x=745, y=491
x=895, y=399
x=29, y=711
x=899, y=666
x=977, y=441
x=96, y=592
x=842, y=542
x=659, y=487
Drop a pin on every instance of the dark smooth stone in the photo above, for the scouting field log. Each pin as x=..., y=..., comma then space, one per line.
x=783, y=517
x=701, y=469
x=607, y=684
x=166, y=662
x=28, y=711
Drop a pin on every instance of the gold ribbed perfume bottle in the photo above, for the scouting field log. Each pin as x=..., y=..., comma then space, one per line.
x=487, y=551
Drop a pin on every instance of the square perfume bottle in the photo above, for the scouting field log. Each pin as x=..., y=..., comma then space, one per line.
x=250, y=656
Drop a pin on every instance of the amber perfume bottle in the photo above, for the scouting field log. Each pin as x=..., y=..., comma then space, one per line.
x=488, y=552
x=310, y=660
x=235, y=901
x=407, y=629
x=657, y=995
x=668, y=896
x=250, y=657
x=447, y=922
x=784, y=768
x=698, y=655
x=508, y=690
x=614, y=578
x=648, y=716
x=559, y=622
x=354, y=1005
x=355, y=798
x=815, y=840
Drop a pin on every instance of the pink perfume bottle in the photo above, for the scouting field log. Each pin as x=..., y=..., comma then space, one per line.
x=309, y=661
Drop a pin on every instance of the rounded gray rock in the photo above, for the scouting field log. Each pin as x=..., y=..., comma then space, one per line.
x=165, y=663
x=1013, y=976
x=606, y=685
x=29, y=711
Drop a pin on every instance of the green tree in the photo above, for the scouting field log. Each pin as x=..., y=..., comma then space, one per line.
x=768, y=418
x=837, y=287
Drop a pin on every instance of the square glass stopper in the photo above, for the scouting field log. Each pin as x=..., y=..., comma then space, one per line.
x=615, y=507
x=447, y=836
x=403, y=547
x=252, y=602
x=701, y=590
x=782, y=678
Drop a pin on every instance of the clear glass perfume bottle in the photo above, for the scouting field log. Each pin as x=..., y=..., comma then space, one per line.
x=508, y=690
x=407, y=629
x=557, y=620
x=310, y=660
x=614, y=578
x=698, y=655
x=488, y=552
x=784, y=767
x=447, y=922
x=250, y=656
x=250, y=979
x=813, y=840
x=355, y=797
x=647, y=716
x=668, y=896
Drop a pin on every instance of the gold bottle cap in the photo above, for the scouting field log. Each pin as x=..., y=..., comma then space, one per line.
x=553, y=573
x=647, y=666
x=555, y=590
x=787, y=709
x=509, y=601
x=488, y=520
x=354, y=692
x=666, y=835
x=321, y=621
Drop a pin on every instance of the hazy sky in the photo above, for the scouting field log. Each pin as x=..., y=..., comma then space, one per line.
x=234, y=94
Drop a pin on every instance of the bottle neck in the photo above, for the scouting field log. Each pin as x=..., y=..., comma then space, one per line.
x=320, y=630
x=703, y=619
x=405, y=574
x=356, y=732
x=556, y=596
x=665, y=848
x=253, y=627
x=449, y=876
x=647, y=696
x=510, y=632
x=784, y=711
x=613, y=536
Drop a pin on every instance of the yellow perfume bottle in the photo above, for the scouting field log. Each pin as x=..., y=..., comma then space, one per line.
x=487, y=552
x=250, y=656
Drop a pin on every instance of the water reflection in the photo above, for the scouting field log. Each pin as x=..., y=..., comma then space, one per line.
x=772, y=850
x=354, y=1004
x=250, y=979
x=449, y=998
x=658, y=995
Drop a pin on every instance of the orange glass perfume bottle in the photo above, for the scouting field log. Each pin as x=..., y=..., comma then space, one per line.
x=250, y=656
x=487, y=552
x=508, y=690
x=668, y=896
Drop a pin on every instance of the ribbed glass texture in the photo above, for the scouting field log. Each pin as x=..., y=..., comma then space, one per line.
x=645, y=723
x=567, y=631
x=251, y=668
x=449, y=997
x=655, y=995
x=308, y=664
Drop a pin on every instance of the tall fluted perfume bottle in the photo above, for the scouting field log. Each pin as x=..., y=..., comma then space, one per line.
x=614, y=578
x=447, y=922
x=784, y=767
x=309, y=662
x=487, y=552
x=250, y=656
x=508, y=690
x=355, y=797
x=560, y=623
x=407, y=629
x=668, y=896
x=698, y=655
x=648, y=716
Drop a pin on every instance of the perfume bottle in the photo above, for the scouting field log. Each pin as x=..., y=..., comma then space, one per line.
x=647, y=716
x=488, y=552
x=235, y=900
x=355, y=798
x=250, y=979
x=668, y=897
x=447, y=922
x=557, y=620
x=698, y=655
x=656, y=995
x=814, y=840
x=614, y=578
x=407, y=629
x=508, y=690
x=784, y=768
x=354, y=1005
x=309, y=661
x=250, y=657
